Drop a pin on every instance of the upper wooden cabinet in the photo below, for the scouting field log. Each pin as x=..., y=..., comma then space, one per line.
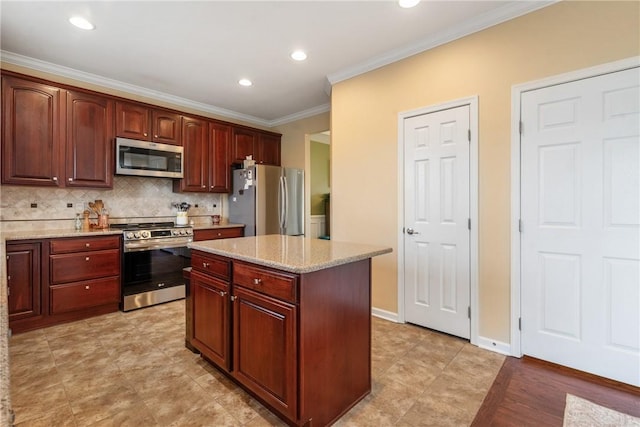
x=54, y=137
x=137, y=121
x=90, y=135
x=206, y=157
x=32, y=132
x=263, y=147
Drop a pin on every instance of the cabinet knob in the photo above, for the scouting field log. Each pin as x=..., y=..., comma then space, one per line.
x=257, y=281
x=145, y=134
x=204, y=186
x=55, y=178
x=222, y=293
x=8, y=278
x=211, y=187
x=155, y=136
x=87, y=245
x=87, y=287
x=86, y=259
x=205, y=265
x=70, y=179
x=219, y=234
x=233, y=297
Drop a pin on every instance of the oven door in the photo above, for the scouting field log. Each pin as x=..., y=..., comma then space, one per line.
x=154, y=269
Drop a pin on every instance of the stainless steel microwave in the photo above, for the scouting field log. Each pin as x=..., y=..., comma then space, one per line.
x=145, y=158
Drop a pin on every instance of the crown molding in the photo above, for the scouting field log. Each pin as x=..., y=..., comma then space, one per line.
x=301, y=115
x=59, y=70
x=497, y=16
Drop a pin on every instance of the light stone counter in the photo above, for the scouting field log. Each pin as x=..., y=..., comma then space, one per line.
x=211, y=226
x=295, y=254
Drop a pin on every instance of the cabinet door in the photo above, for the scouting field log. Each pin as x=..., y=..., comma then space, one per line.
x=265, y=348
x=23, y=280
x=166, y=127
x=244, y=144
x=269, y=150
x=133, y=121
x=211, y=329
x=196, y=151
x=89, y=148
x=220, y=158
x=32, y=122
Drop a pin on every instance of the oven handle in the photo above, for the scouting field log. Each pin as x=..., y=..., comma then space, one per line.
x=146, y=246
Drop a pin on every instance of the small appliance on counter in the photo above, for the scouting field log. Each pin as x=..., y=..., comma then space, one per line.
x=268, y=200
x=154, y=255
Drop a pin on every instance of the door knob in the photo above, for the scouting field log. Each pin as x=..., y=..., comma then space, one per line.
x=410, y=231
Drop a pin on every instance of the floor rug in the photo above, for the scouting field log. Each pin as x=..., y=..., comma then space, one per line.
x=582, y=413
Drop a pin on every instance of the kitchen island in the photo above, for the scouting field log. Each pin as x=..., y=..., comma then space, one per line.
x=288, y=319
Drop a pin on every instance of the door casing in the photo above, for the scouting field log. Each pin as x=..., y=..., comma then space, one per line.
x=472, y=102
x=516, y=94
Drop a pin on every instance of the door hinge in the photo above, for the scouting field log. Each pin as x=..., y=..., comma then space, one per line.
x=469, y=223
x=520, y=127
x=469, y=312
x=520, y=225
x=469, y=134
x=519, y=323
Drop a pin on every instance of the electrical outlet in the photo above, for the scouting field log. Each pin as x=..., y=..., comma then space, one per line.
x=69, y=205
x=34, y=205
x=195, y=206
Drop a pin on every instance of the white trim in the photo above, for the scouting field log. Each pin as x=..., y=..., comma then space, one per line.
x=384, y=314
x=495, y=346
x=481, y=22
x=81, y=76
x=516, y=95
x=472, y=102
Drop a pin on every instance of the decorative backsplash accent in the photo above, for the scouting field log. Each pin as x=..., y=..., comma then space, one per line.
x=131, y=197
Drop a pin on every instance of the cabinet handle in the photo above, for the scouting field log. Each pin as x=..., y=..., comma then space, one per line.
x=55, y=178
x=205, y=264
x=86, y=259
x=257, y=281
x=87, y=287
x=8, y=278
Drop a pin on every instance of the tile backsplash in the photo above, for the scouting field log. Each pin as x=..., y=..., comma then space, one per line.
x=130, y=198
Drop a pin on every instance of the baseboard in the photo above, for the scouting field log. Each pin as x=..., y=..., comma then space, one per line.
x=495, y=346
x=384, y=314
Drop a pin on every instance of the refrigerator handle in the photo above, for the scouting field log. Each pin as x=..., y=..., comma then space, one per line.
x=286, y=202
x=281, y=197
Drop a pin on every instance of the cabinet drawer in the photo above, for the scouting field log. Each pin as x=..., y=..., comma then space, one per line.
x=269, y=282
x=218, y=233
x=211, y=264
x=84, y=266
x=84, y=294
x=82, y=244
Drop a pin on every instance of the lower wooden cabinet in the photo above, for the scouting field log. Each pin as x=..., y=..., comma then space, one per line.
x=58, y=280
x=23, y=280
x=265, y=357
x=217, y=233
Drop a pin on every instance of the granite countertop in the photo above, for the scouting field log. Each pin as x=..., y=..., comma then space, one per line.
x=295, y=254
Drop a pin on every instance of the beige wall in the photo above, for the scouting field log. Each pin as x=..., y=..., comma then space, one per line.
x=364, y=113
x=295, y=152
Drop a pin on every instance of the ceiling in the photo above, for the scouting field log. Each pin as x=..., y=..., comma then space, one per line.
x=193, y=53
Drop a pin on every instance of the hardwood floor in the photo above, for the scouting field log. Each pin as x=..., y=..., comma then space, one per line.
x=531, y=392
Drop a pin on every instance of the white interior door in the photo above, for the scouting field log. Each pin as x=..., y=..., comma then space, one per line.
x=580, y=208
x=436, y=239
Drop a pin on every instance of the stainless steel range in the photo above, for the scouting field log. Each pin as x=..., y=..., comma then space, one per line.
x=154, y=255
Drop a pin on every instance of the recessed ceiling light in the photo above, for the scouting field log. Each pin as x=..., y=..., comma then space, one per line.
x=408, y=3
x=245, y=82
x=298, y=55
x=80, y=22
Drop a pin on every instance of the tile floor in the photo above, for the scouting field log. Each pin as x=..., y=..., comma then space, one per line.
x=131, y=369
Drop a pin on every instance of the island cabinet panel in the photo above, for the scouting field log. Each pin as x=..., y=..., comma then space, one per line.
x=90, y=136
x=210, y=311
x=265, y=356
x=32, y=132
x=23, y=281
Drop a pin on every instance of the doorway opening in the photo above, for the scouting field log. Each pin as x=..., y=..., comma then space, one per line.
x=320, y=185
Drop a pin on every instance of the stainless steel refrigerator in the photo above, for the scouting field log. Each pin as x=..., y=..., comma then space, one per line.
x=268, y=200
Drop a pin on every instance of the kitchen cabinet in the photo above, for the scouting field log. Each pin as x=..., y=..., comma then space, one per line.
x=89, y=144
x=265, y=358
x=32, y=132
x=218, y=233
x=84, y=273
x=263, y=147
x=23, y=281
x=54, y=137
x=137, y=121
x=206, y=157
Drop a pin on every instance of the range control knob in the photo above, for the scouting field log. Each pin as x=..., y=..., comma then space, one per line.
x=136, y=234
x=129, y=235
x=183, y=232
x=175, y=232
x=145, y=234
x=189, y=231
